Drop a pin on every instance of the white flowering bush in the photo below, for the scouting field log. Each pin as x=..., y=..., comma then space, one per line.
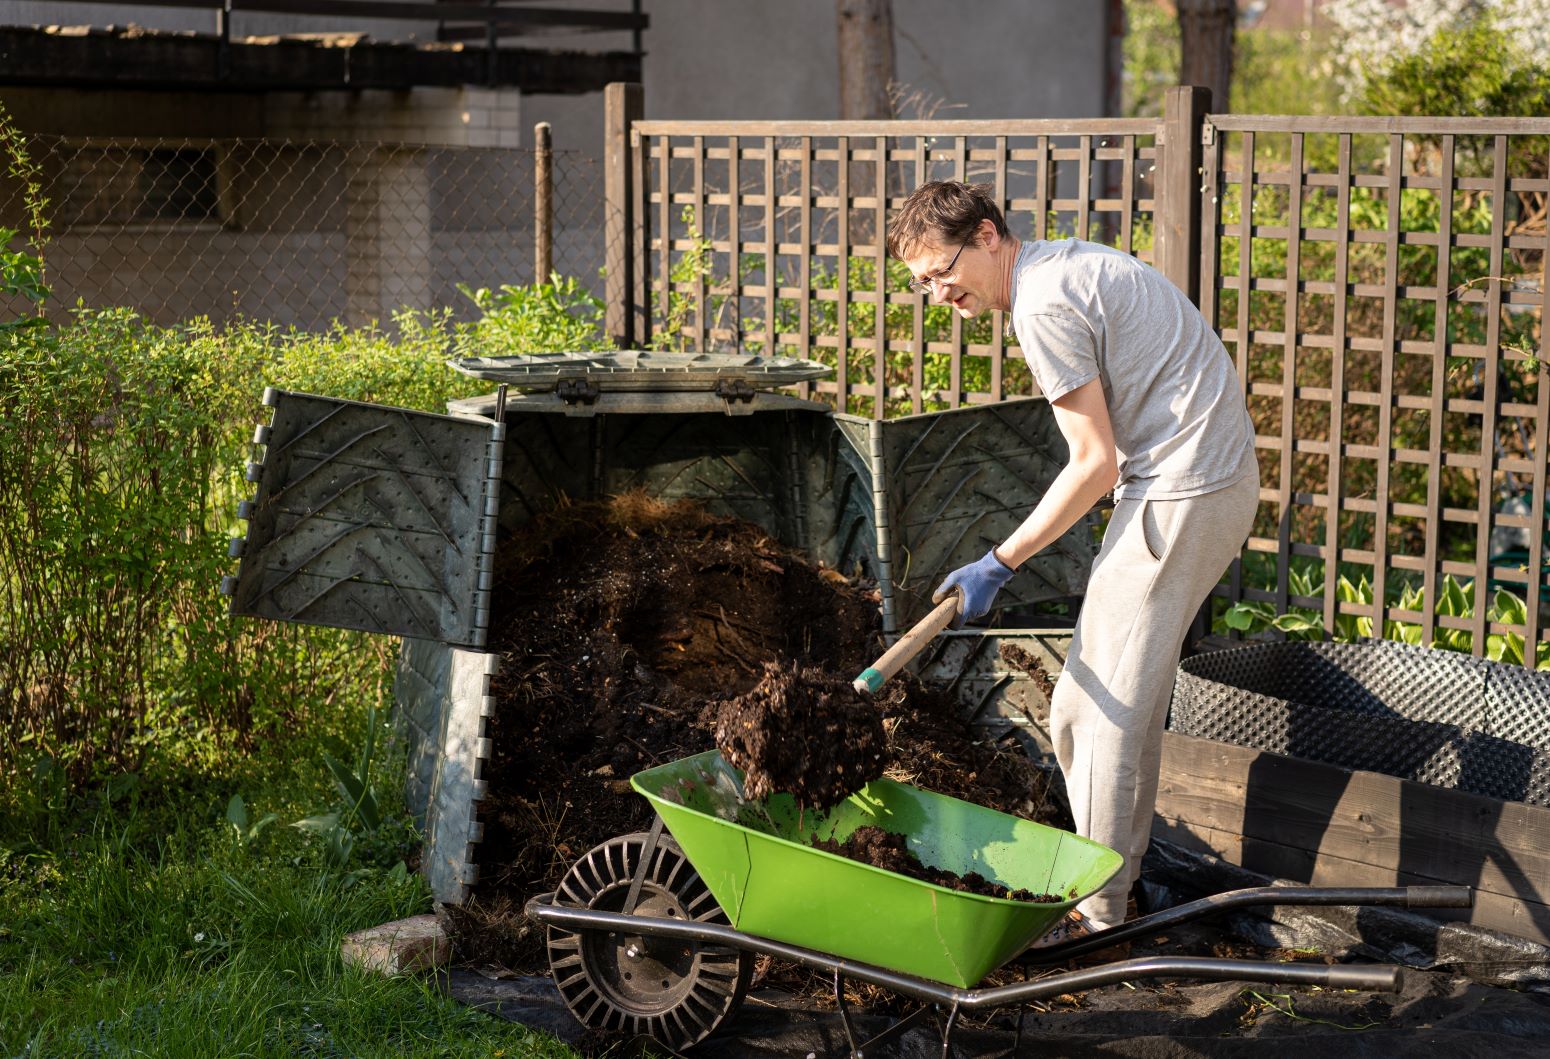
x=1369, y=36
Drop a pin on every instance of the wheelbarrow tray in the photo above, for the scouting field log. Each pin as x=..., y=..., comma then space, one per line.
x=757, y=861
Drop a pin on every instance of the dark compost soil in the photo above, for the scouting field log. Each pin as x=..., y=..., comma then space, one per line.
x=625, y=628
x=807, y=732
x=883, y=849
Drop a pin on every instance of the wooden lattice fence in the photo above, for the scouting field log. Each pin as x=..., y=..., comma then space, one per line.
x=1380, y=283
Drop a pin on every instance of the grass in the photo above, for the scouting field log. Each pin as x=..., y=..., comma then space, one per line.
x=137, y=922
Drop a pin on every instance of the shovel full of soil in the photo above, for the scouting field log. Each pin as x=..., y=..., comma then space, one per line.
x=805, y=732
x=812, y=733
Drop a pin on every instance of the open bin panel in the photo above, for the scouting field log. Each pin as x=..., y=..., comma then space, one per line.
x=372, y=518
x=948, y=486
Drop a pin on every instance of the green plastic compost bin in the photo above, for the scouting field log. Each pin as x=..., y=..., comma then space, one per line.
x=756, y=860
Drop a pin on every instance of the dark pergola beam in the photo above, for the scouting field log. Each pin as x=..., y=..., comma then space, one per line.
x=196, y=62
x=508, y=18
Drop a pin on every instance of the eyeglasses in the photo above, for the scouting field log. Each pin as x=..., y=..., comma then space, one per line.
x=923, y=286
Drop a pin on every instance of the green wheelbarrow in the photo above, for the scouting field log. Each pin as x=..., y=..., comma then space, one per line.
x=654, y=934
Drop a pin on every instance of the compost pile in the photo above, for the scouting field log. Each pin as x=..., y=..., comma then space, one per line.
x=626, y=628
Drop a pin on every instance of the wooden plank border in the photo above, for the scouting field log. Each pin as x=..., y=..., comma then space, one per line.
x=1321, y=824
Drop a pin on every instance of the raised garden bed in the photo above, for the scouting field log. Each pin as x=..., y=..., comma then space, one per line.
x=1373, y=764
x=1434, y=716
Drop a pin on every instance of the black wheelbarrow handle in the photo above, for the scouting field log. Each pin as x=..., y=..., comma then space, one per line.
x=1378, y=896
x=1381, y=978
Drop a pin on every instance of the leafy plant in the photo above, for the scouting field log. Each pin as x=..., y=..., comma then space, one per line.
x=1455, y=599
x=1372, y=37
x=122, y=446
x=21, y=272
x=358, y=821
x=693, y=268
x=1274, y=71
x=1510, y=646
x=558, y=316
x=246, y=831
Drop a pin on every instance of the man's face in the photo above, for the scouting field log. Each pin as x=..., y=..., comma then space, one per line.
x=965, y=278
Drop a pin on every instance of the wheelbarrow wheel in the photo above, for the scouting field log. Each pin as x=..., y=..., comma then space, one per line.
x=672, y=990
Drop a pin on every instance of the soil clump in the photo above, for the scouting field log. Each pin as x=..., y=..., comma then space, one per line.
x=1019, y=657
x=806, y=732
x=886, y=850
x=625, y=627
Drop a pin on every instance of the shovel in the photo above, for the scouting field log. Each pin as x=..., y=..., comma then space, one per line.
x=907, y=646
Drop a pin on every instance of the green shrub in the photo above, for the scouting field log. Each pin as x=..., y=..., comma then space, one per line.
x=560, y=316
x=116, y=465
x=122, y=446
x=407, y=369
x=21, y=274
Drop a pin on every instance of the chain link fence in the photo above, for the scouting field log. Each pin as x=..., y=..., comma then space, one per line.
x=300, y=233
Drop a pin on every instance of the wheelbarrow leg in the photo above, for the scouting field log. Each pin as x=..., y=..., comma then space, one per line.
x=844, y=1010
x=861, y=1049
x=947, y=1031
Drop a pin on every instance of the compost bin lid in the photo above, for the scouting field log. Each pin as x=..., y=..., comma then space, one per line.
x=635, y=369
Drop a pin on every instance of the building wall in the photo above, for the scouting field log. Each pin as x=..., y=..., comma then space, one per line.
x=129, y=113
x=757, y=59
x=391, y=244
x=761, y=60
x=434, y=116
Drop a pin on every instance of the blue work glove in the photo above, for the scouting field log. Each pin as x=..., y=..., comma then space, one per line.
x=978, y=584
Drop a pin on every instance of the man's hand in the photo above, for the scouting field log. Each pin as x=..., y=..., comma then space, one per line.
x=976, y=585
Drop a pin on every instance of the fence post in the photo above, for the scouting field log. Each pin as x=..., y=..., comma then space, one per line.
x=1178, y=227
x=543, y=205
x=1178, y=207
x=623, y=104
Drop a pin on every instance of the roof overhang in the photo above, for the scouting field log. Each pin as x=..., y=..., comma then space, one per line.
x=131, y=57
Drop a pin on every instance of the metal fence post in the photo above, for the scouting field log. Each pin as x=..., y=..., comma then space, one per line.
x=623, y=104
x=1178, y=206
x=543, y=205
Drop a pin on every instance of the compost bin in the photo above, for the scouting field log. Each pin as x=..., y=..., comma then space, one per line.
x=391, y=521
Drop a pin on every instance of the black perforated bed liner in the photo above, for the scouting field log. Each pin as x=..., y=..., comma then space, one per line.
x=1434, y=716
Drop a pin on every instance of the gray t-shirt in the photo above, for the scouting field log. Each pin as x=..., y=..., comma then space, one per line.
x=1084, y=311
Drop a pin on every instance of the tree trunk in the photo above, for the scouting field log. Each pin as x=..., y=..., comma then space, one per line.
x=1205, y=46
x=865, y=38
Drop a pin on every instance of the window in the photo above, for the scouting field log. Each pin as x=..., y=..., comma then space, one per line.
x=178, y=184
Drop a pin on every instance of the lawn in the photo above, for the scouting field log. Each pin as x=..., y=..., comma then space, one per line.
x=140, y=922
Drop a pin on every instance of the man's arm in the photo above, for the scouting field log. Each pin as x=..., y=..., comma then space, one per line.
x=1083, y=417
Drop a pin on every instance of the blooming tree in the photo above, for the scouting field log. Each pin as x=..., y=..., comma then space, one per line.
x=1370, y=35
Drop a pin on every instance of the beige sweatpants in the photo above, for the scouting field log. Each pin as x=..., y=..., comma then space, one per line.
x=1159, y=560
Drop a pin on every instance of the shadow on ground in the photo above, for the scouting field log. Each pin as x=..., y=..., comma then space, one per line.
x=1435, y=1014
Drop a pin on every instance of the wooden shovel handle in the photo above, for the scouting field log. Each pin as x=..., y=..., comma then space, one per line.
x=908, y=645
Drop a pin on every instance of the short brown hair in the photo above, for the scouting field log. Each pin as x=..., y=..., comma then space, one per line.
x=945, y=211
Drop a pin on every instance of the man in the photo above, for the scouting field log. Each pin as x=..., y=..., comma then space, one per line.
x=1150, y=406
